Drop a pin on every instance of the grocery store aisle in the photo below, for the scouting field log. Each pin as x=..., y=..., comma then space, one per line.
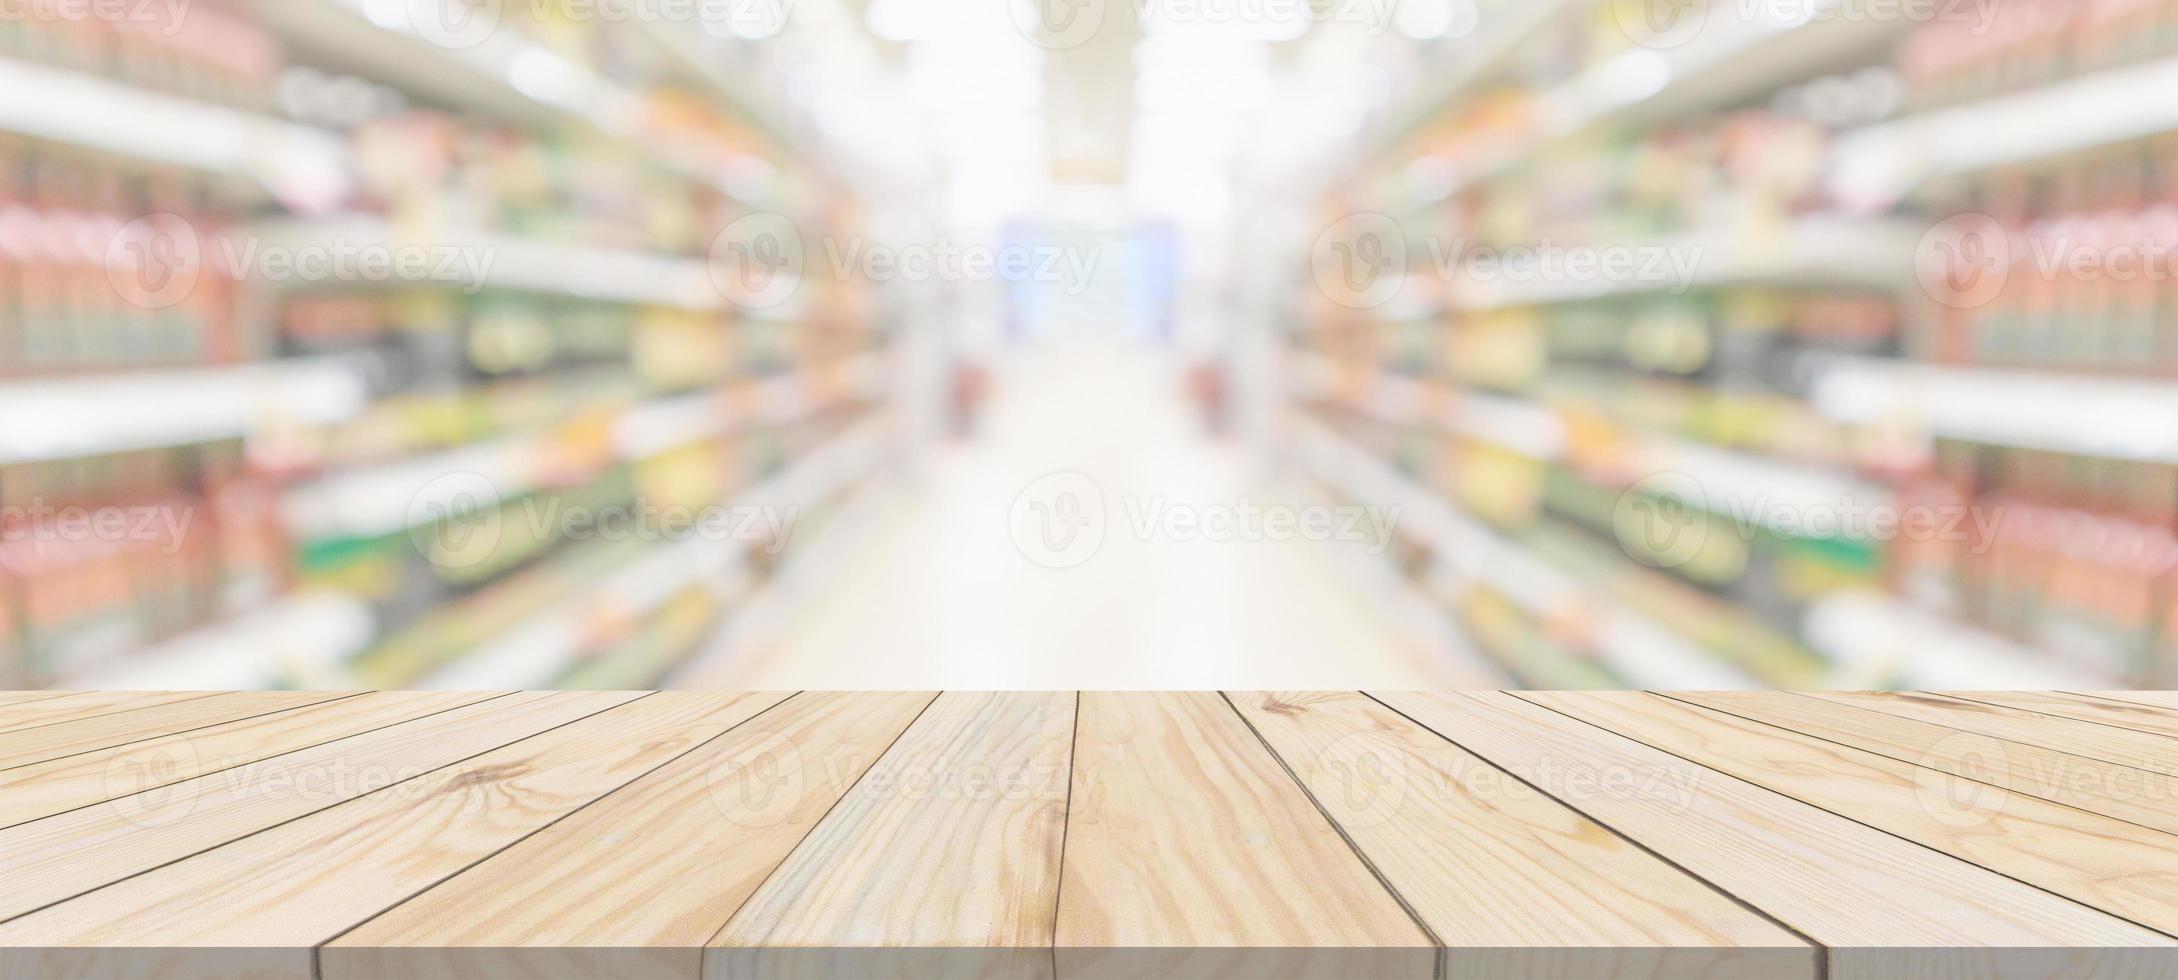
x=938, y=592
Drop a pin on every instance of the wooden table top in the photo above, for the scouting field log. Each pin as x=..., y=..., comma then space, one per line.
x=1482, y=834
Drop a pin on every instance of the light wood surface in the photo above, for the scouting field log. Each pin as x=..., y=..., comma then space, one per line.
x=2118, y=714
x=2135, y=795
x=613, y=879
x=1185, y=833
x=9, y=699
x=980, y=782
x=265, y=892
x=86, y=704
x=58, y=785
x=1512, y=881
x=1244, y=834
x=2095, y=860
x=2167, y=700
x=2123, y=746
x=45, y=861
x=1848, y=886
x=66, y=738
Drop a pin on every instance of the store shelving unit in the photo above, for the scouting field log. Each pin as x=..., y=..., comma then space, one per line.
x=1728, y=60
x=297, y=163
x=2105, y=417
x=323, y=634
x=1876, y=166
x=1493, y=45
x=301, y=640
x=517, y=263
x=59, y=418
x=541, y=651
x=1588, y=452
x=1468, y=554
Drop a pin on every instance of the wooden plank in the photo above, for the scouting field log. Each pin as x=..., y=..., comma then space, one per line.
x=87, y=704
x=68, y=738
x=615, y=890
x=58, y=785
x=2126, y=748
x=48, y=860
x=2118, y=714
x=1189, y=850
x=2167, y=700
x=2145, y=798
x=1515, y=883
x=2124, y=869
x=11, y=698
x=260, y=904
x=1884, y=906
x=943, y=860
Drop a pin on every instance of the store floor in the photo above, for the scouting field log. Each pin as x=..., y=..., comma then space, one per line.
x=935, y=591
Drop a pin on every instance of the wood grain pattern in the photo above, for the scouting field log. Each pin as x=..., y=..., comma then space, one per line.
x=58, y=785
x=2166, y=700
x=2145, y=798
x=48, y=860
x=2070, y=735
x=1295, y=834
x=1185, y=835
x=2120, y=868
x=86, y=704
x=54, y=741
x=637, y=882
x=11, y=698
x=1513, y=881
x=1884, y=906
x=979, y=785
x=2118, y=714
x=267, y=894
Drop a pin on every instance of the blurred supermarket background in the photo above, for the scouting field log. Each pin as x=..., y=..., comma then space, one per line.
x=1088, y=343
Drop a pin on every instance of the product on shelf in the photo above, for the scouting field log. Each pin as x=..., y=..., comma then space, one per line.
x=102, y=270
x=2071, y=268
x=118, y=269
x=185, y=49
x=2025, y=44
x=108, y=554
